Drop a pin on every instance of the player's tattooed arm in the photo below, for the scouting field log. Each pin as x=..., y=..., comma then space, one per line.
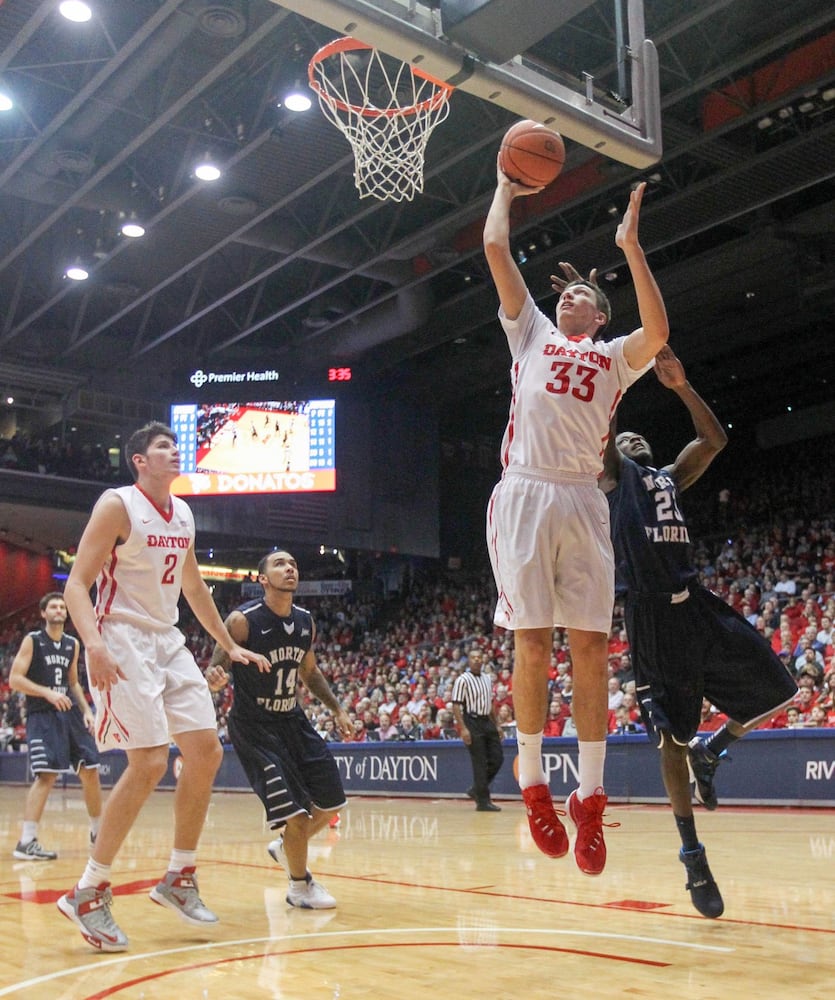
x=216, y=672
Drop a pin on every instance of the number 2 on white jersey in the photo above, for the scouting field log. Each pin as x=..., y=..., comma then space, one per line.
x=170, y=566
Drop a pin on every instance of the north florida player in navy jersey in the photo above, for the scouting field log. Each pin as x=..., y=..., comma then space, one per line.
x=547, y=523
x=287, y=763
x=59, y=723
x=686, y=642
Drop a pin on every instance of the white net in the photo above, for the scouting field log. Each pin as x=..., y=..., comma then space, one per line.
x=386, y=109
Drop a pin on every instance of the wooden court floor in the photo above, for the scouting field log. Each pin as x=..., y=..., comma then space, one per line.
x=435, y=900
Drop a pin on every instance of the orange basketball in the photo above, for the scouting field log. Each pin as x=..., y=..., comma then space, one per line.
x=531, y=154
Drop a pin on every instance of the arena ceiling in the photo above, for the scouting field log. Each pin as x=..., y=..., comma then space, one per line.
x=279, y=264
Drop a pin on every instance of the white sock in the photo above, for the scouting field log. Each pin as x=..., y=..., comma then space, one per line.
x=30, y=831
x=182, y=859
x=94, y=875
x=531, y=771
x=591, y=758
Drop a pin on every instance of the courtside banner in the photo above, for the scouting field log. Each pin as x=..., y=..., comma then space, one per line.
x=782, y=767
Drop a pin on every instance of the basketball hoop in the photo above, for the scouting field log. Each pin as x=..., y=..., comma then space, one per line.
x=386, y=112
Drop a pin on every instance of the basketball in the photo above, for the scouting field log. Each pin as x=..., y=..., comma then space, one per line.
x=531, y=154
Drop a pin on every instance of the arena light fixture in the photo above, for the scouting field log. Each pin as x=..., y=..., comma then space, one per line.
x=207, y=169
x=132, y=227
x=296, y=99
x=75, y=10
x=77, y=271
x=6, y=103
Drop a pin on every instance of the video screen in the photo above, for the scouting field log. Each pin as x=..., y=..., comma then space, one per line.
x=272, y=447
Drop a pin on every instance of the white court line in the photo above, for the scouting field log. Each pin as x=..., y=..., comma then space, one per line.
x=456, y=931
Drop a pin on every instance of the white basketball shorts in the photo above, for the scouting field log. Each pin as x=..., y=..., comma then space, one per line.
x=551, y=553
x=163, y=693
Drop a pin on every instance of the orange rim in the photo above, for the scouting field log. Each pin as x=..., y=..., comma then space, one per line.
x=340, y=45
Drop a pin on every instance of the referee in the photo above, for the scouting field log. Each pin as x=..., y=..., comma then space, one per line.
x=472, y=704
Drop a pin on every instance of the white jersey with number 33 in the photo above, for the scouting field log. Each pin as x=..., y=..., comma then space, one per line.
x=565, y=392
x=142, y=578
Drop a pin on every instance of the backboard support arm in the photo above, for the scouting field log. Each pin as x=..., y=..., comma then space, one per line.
x=407, y=30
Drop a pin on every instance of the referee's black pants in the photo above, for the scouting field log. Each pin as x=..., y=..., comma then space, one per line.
x=486, y=754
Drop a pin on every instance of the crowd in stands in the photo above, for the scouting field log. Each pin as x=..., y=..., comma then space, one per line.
x=52, y=457
x=392, y=662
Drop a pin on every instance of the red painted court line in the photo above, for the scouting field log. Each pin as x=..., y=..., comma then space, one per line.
x=112, y=990
x=636, y=907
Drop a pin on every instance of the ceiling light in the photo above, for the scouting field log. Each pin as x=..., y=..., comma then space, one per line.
x=207, y=170
x=75, y=10
x=10, y=400
x=6, y=103
x=296, y=99
x=765, y=123
x=806, y=106
x=829, y=94
x=77, y=272
x=132, y=227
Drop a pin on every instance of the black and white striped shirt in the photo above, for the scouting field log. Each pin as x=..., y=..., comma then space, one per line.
x=475, y=693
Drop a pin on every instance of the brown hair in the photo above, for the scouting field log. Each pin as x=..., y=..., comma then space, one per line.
x=139, y=442
x=600, y=298
x=53, y=595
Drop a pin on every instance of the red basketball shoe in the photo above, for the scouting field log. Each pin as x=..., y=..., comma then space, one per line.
x=548, y=833
x=587, y=816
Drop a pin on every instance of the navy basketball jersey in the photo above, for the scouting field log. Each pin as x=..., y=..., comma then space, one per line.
x=262, y=697
x=50, y=667
x=649, y=534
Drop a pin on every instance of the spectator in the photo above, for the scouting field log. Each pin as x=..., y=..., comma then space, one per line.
x=446, y=720
x=555, y=722
x=387, y=729
x=615, y=693
x=407, y=729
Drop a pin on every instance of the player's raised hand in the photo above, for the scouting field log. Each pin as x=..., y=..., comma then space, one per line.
x=627, y=232
x=669, y=369
x=571, y=274
x=502, y=180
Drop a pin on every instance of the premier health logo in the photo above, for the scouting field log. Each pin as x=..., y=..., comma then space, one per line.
x=199, y=378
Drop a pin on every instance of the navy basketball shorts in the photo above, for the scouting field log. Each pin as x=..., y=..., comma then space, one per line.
x=700, y=648
x=289, y=766
x=59, y=741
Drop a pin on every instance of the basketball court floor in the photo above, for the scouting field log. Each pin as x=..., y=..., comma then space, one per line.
x=434, y=899
x=257, y=439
